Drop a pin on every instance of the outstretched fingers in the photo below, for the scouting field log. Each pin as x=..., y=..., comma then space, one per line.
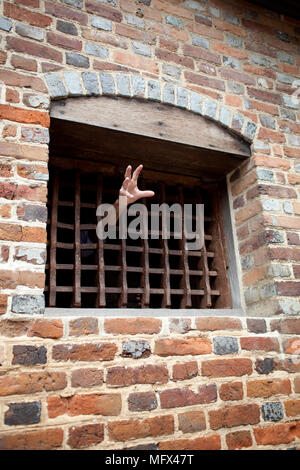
x=137, y=172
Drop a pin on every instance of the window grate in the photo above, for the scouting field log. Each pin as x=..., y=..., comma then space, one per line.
x=85, y=271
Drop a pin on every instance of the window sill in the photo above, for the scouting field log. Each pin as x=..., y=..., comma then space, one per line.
x=136, y=312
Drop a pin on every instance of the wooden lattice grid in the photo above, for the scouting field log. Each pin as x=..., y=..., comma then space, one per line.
x=127, y=273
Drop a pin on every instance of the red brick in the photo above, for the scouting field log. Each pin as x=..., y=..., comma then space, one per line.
x=12, y=96
x=297, y=384
x=172, y=57
x=173, y=9
x=238, y=440
x=84, y=352
x=95, y=404
x=46, y=439
x=3, y=303
x=291, y=345
x=192, y=421
x=215, y=323
x=104, y=11
x=64, y=41
x=289, y=288
x=231, y=416
x=237, y=76
x=286, y=326
x=87, y=377
x=57, y=406
x=132, y=326
x=203, y=80
x=177, y=397
x=260, y=344
x=22, y=14
x=181, y=347
x=230, y=51
x=34, y=49
x=17, y=79
x=83, y=326
x=202, y=54
x=231, y=28
x=227, y=367
x=231, y=391
x=23, y=151
x=12, y=113
x=147, y=374
x=268, y=388
x=262, y=28
x=277, y=434
x=88, y=435
x=32, y=382
x=270, y=135
x=185, y=371
x=138, y=429
x=292, y=407
x=288, y=254
x=46, y=329
x=211, y=442
x=11, y=279
x=61, y=11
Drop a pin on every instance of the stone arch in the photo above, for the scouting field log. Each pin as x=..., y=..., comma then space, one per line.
x=63, y=85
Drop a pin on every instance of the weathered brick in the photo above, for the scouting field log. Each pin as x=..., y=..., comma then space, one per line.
x=185, y=370
x=177, y=397
x=231, y=391
x=238, y=440
x=94, y=404
x=268, y=388
x=137, y=429
x=136, y=349
x=211, y=442
x=231, y=416
x=227, y=367
x=277, y=434
x=32, y=382
x=192, y=421
x=23, y=413
x=34, y=49
x=29, y=355
x=22, y=14
x=260, y=344
x=132, y=326
x=84, y=352
x=181, y=347
x=148, y=374
x=83, y=326
x=88, y=435
x=87, y=377
x=142, y=401
x=43, y=439
x=272, y=411
x=46, y=329
x=12, y=113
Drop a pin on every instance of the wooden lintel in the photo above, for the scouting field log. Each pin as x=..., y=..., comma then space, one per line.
x=148, y=119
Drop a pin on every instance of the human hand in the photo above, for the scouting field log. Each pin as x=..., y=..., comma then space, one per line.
x=129, y=188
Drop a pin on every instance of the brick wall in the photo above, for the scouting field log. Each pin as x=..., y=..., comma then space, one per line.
x=234, y=63
x=192, y=383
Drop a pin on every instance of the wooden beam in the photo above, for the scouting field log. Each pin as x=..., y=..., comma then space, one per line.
x=150, y=119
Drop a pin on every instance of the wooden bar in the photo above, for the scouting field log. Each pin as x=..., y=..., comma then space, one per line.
x=206, y=301
x=166, y=301
x=53, y=241
x=145, y=282
x=186, y=301
x=76, y=301
x=101, y=299
x=123, y=300
x=220, y=262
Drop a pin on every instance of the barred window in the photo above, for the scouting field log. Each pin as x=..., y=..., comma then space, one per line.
x=87, y=272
